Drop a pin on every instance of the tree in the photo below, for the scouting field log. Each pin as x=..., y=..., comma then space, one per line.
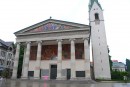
x=118, y=75
x=5, y=73
x=20, y=61
x=110, y=61
x=128, y=65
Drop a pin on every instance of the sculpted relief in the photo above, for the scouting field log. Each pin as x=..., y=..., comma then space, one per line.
x=51, y=26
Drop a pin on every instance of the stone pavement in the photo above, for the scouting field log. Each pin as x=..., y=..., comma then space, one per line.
x=55, y=83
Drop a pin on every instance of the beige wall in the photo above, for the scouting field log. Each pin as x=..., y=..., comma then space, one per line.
x=45, y=64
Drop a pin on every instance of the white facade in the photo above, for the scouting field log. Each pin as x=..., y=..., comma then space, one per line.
x=99, y=43
x=60, y=33
x=71, y=34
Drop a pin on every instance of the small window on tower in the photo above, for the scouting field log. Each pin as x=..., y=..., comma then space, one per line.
x=96, y=16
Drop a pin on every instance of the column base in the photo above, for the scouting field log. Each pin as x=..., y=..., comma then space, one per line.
x=13, y=77
x=87, y=79
x=24, y=78
x=37, y=78
x=73, y=78
x=81, y=78
x=60, y=78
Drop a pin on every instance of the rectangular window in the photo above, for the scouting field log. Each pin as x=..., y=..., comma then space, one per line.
x=2, y=62
x=80, y=73
x=9, y=55
x=30, y=73
x=96, y=16
x=3, y=53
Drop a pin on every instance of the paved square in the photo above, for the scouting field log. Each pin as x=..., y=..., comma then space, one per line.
x=32, y=83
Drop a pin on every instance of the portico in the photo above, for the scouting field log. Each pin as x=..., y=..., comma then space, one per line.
x=54, y=49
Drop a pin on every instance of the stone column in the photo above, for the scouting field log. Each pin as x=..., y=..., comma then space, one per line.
x=26, y=62
x=73, y=68
x=87, y=59
x=38, y=61
x=24, y=59
x=59, y=61
x=16, y=60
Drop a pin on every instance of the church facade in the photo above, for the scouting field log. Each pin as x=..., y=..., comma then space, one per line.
x=55, y=49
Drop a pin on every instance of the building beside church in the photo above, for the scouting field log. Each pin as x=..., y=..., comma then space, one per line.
x=118, y=66
x=6, y=56
x=61, y=50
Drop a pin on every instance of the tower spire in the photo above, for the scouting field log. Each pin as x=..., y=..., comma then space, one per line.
x=91, y=2
x=99, y=41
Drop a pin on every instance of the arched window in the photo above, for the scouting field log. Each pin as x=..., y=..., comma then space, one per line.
x=96, y=16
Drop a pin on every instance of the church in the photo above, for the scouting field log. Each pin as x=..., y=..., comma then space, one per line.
x=60, y=50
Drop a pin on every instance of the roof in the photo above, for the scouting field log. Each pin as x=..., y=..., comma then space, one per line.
x=6, y=44
x=114, y=60
x=9, y=43
x=118, y=64
x=91, y=2
x=44, y=25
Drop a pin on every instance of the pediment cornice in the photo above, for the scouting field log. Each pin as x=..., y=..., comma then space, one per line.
x=51, y=25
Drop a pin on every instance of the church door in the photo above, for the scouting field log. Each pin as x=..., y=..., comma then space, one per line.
x=53, y=73
x=68, y=74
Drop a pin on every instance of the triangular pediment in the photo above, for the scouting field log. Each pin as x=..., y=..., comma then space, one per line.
x=51, y=25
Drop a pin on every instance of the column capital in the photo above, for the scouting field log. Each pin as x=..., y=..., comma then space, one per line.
x=72, y=39
x=59, y=40
x=86, y=38
x=39, y=41
x=28, y=42
x=18, y=43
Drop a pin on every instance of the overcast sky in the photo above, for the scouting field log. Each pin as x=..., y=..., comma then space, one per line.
x=19, y=14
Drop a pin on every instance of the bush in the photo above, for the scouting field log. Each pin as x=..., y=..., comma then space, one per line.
x=117, y=75
x=6, y=73
x=128, y=75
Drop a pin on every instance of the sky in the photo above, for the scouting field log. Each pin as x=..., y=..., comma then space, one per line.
x=18, y=14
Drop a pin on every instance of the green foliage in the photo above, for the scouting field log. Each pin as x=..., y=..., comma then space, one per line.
x=20, y=61
x=117, y=75
x=110, y=61
x=128, y=65
x=6, y=73
x=128, y=68
x=128, y=76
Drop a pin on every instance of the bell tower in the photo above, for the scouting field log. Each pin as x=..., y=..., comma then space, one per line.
x=99, y=42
